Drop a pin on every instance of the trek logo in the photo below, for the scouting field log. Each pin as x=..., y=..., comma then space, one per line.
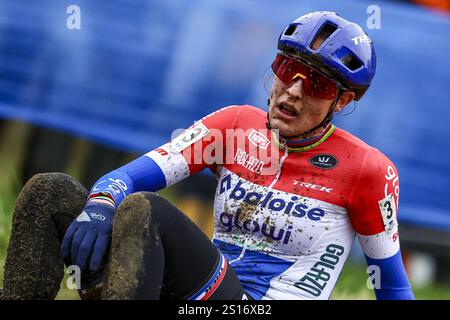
x=324, y=161
x=267, y=200
x=312, y=186
x=258, y=139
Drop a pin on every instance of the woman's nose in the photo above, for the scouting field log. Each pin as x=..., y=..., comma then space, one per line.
x=295, y=88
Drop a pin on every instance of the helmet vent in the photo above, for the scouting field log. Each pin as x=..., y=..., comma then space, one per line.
x=324, y=33
x=351, y=62
x=290, y=30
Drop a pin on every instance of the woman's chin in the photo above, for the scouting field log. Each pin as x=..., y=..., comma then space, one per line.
x=280, y=126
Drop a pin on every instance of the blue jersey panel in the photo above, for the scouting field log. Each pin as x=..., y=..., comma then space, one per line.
x=254, y=269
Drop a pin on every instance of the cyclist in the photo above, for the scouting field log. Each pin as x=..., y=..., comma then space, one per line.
x=293, y=191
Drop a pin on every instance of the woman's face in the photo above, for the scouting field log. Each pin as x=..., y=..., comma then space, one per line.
x=292, y=112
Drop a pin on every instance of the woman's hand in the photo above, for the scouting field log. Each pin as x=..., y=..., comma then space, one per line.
x=89, y=236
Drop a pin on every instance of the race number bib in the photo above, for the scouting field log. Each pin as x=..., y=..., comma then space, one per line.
x=189, y=137
x=389, y=214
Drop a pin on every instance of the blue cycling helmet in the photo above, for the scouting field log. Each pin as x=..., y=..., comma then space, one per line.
x=338, y=48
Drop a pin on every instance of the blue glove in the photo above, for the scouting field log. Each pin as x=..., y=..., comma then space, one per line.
x=89, y=235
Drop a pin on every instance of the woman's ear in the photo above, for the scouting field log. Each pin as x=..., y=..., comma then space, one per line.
x=345, y=99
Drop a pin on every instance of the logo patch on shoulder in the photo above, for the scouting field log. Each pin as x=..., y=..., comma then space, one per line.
x=324, y=161
x=258, y=139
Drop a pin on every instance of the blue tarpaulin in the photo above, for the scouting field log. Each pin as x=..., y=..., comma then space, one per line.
x=137, y=70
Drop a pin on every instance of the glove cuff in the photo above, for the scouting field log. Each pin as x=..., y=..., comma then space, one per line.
x=101, y=198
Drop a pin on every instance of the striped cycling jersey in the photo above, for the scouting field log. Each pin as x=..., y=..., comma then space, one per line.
x=285, y=213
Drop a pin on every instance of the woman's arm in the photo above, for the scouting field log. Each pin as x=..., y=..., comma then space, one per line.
x=88, y=236
x=373, y=212
x=170, y=163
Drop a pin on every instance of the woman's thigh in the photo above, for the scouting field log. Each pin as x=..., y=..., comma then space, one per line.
x=157, y=252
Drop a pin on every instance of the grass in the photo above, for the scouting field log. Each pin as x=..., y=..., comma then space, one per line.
x=8, y=195
x=352, y=286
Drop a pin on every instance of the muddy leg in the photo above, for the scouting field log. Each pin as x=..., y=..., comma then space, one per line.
x=157, y=252
x=45, y=208
x=131, y=234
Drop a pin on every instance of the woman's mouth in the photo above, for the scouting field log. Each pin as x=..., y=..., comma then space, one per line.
x=286, y=111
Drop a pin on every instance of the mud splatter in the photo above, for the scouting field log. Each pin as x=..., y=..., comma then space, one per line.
x=126, y=264
x=247, y=211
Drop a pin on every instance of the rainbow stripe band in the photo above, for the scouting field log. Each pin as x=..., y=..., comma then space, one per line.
x=101, y=198
x=101, y=194
x=102, y=201
x=211, y=286
x=311, y=144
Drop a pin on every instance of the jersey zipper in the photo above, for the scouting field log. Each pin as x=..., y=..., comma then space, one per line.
x=286, y=153
x=274, y=181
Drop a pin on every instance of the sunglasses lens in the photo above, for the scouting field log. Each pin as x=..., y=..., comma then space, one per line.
x=315, y=84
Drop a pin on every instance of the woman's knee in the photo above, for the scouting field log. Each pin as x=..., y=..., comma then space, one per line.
x=52, y=192
x=140, y=206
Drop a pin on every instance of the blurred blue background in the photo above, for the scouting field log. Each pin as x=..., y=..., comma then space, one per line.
x=137, y=70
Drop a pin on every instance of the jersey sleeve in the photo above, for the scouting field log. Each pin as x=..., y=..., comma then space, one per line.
x=200, y=146
x=373, y=208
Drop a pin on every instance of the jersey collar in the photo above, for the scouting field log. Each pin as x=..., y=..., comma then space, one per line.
x=307, y=144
